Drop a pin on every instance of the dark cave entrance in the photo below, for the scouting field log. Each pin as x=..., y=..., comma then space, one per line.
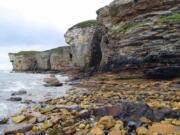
x=70, y=56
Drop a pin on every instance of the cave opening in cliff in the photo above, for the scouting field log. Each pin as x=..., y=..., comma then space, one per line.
x=70, y=56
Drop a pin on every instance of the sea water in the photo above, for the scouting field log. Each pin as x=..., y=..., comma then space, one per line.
x=33, y=84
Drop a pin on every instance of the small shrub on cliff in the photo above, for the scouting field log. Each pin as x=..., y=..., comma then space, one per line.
x=26, y=53
x=173, y=17
x=86, y=23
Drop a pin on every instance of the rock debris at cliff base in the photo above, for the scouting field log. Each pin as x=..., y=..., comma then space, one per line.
x=107, y=104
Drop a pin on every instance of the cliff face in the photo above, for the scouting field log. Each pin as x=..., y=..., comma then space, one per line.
x=83, y=38
x=141, y=34
x=22, y=63
x=55, y=59
x=134, y=35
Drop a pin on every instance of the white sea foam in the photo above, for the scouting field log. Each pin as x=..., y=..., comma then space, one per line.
x=3, y=110
x=32, y=83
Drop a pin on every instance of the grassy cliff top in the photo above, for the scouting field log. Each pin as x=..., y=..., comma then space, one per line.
x=87, y=23
x=26, y=53
x=60, y=49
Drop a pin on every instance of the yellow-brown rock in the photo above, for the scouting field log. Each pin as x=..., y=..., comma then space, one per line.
x=18, y=119
x=176, y=105
x=97, y=131
x=35, y=128
x=118, y=126
x=162, y=128
x=19, y=134
x=142, y=131
x=46, y=124
x=176, y=122
x=107, y=121
x=118, y=132
x=115, y=132
x=145, y=120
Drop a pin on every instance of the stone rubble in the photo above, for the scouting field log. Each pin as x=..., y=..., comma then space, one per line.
x=110, y=106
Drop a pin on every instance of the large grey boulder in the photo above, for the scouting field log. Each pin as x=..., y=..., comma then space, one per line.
x=14, y=99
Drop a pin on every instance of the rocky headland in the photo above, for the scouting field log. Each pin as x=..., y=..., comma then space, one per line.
x=34, y=61
x=133, y=51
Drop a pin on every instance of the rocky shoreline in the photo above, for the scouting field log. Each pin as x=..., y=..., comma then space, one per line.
x=112, y=104
x=128, y=64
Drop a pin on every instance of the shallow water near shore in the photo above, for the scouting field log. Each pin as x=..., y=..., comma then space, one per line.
x=33, y=84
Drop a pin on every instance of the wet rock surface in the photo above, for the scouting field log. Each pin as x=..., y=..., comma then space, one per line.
x=14, y=99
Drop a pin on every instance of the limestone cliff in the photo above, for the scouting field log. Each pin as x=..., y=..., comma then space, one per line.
x=136, y=35
x=131, y=35
x=83, y=40
x=55, y=59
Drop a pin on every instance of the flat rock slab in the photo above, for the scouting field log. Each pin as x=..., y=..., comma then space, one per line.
x=14, y=99
x=128, y=111
x=13, y=129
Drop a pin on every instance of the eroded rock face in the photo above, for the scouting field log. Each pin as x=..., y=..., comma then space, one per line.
x=141, y=34
x=85, y=45
x=80, y=38
x=61, y=59
x=22, y=63
x=55, y=59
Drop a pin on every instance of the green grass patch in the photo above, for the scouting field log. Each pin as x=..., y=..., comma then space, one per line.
x=60, y=49
x=86, y=23
x=172, y=17
x=128, y=27
x=26, y=53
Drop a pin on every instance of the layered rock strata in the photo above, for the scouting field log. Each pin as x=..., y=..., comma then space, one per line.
x=141, y=34
x=55, y=59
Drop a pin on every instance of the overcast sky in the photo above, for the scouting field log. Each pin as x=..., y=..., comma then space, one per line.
x=40, y=24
